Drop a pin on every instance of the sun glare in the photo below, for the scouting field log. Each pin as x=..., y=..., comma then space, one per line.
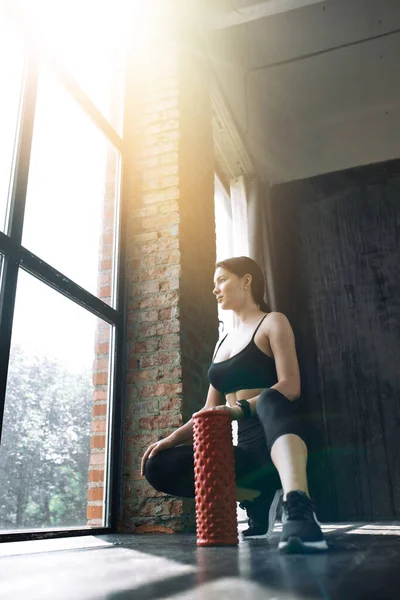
x=76, y=34
x=72, y=26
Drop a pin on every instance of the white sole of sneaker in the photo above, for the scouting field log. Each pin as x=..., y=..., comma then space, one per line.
x=271, y=519
x=295, y=545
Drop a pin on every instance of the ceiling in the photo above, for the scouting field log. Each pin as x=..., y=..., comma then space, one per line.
x=312, y=86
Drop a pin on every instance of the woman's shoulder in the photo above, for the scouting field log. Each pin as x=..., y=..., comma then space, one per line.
x=275, y=316
x=275, y=319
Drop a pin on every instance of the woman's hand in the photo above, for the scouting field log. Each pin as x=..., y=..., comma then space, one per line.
x=154, y=449
x=235, y=411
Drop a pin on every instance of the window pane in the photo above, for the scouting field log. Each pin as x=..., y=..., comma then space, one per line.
x=224, y=242
x=52, y=454
x=85, y=37
x=11, y=73
x=72, y=191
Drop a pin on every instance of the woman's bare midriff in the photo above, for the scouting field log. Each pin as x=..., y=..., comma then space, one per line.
x=232, y=398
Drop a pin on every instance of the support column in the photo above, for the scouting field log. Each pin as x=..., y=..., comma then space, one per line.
x=172, y=315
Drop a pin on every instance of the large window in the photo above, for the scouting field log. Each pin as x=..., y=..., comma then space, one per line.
x=60, y=241
x=71, y=165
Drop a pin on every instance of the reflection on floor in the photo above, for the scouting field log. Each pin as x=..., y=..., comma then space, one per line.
x=363, y=563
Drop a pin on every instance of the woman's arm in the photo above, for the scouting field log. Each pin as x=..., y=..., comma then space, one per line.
x=184, y=433
x=281, y=338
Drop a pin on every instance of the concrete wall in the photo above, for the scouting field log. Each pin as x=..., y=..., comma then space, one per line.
x=338, y=279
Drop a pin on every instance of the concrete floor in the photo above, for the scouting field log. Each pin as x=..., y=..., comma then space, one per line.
x=363, y=563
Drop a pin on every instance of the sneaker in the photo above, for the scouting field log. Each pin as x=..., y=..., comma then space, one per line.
x=261, y=521
x=301, y=531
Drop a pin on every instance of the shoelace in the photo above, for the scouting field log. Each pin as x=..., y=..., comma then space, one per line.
x=297, y=508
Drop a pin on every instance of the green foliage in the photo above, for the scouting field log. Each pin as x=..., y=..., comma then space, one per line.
x=45, y=446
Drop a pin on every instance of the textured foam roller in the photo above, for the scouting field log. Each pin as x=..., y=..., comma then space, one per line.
x=214, y=471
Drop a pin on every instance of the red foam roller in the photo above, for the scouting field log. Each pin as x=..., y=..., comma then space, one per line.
x=214, y=477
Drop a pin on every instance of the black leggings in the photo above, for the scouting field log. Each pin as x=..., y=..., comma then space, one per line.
x=172, y=471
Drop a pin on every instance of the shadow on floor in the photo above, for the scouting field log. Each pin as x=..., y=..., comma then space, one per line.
x=361, y=564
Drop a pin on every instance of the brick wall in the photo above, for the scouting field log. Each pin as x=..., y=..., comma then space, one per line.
x=101, y=364
x=172, y=316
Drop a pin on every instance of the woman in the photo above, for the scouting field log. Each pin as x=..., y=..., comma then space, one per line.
x=255, y=377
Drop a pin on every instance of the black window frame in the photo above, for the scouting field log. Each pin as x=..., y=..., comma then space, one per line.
x=15, y=256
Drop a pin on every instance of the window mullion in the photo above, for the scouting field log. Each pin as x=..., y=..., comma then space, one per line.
x=16, y=211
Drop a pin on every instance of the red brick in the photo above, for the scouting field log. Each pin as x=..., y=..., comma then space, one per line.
x=148, y=375
x=171, y=284
x=95, y=494
x=169, y=299
x=99, y=426
x=167, y=244
x=103, y=348
x=147, y=346
x=94, y=512
x=136, y=476
x=171, y=326
x=153, y=529
x=171, y=404
x=150, y=492
x=160, y=271
x=176, y=507
x=165, y=313
x=96, y=475
x=141, y=440
x=98, y=441
x=147, y=316
x=101, y=364
x=161, y=389
x=147, y=331
x=100, y=379
x=107, y=252
x=159, y=359
x=105, y=277
x=171, y=340
x=148, y=287
x=161, y=422
x=105, y=264
x=105, y=292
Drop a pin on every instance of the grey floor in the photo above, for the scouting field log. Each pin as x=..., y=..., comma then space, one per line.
x=363, y=563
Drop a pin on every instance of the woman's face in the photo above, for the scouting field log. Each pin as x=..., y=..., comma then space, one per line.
x=228, y=289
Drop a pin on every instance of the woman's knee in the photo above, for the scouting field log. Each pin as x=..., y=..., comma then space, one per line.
x=154, y=471
x=172, y=471
x=278, y=415
x=273, y=404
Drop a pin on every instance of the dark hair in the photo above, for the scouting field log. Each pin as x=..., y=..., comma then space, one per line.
x=243, y=265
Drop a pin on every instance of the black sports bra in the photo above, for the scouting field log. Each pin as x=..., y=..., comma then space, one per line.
x=249, y=369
